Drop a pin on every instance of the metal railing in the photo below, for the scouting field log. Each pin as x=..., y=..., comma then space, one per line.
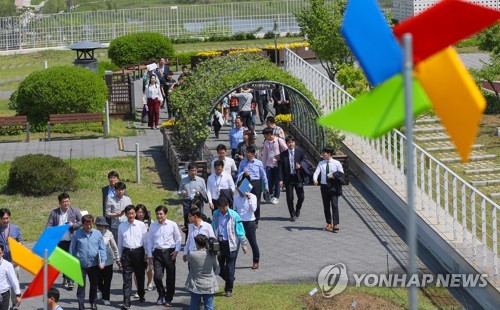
x=464, y=216
x=52, y=30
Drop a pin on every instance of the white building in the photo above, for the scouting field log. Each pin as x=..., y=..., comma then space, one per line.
x=403, y=9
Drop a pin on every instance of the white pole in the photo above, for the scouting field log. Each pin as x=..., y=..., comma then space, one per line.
x=45, y=278
x=45, y=65
x=411, y=226
x=137, y=164
x=107, y=118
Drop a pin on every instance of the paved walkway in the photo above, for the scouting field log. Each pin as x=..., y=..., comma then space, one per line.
x=369, y=240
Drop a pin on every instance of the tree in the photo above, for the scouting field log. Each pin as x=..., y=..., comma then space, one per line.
x=321, y=23
x=353, y=80
x=489, y=40
x=7, y=8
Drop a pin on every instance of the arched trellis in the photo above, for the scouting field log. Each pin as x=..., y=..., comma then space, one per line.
x=304, y=113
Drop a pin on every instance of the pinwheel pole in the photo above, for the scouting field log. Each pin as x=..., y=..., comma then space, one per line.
x=45, y=277
x=410, y=165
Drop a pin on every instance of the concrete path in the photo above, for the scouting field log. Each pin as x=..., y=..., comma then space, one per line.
x=369, y=240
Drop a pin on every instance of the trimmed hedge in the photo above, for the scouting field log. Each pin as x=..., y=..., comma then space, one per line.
x=139, y=47
x=40, y=174
x=201, y=91
x=65, y=89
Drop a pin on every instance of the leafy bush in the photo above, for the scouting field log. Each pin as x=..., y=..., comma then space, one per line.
x=139, y=47
x=184, y=58
x=65, y=89
x=39, y=175
x=195, y=98
x=184, y=39
x=283, y=119
x=104, y=66
x=270, y=35
x=239, y=36
x=219, y=38
x=492, y=103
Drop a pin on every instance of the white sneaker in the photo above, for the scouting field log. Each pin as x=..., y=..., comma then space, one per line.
x=106, y=302
x=274, y=201
x=99, y=295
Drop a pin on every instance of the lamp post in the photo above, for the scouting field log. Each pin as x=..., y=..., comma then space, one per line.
x=275, y=31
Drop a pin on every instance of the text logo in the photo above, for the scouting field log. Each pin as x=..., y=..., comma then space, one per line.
x=333, y=280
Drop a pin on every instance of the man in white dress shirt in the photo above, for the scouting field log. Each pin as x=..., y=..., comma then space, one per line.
x=131, y=248
x=217, y=181
x=229, y=163
x=8, y=281
x=164, y=242
x=246, y=204
x=328, y=168
x=197, y=226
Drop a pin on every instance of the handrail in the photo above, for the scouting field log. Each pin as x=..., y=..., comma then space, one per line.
x=450, y=201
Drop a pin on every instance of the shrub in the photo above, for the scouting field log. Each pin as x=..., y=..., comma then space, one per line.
x=184, y=58
x=181, y=40
x=139, y=47
x=39, y=175
x=239, y=36
x=65, y=89
x=219, y=38
x=270, y=35
x=283, y=119
x=492, y=103
x=104, y=66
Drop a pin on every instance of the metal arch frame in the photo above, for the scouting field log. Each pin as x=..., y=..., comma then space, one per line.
x=311, y=127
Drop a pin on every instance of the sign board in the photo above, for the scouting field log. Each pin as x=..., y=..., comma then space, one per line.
x=261, y=85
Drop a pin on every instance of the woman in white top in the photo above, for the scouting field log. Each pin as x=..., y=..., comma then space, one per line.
x=154, y=96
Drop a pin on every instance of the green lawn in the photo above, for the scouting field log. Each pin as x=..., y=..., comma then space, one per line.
x=296, y=296
x=31, y=213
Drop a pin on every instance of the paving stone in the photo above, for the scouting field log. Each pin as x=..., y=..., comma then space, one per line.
x=431, y=137
x=443, y=145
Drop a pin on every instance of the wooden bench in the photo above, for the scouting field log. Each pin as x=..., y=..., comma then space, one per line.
x=9, y=123
x=80, y=120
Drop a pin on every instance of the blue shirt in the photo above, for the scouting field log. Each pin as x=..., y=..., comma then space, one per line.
x=88, y=248
x=255, y=169
x=223, y=225
x=12, y=231
x=236, y=137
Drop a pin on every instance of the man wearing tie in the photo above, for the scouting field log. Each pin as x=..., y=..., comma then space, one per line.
x=217, y=181
x=131, y=248
x=252, y=168
x=328, y=168
x=292, y=177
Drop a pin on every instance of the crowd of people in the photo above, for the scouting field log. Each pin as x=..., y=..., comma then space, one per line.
x=145, y=251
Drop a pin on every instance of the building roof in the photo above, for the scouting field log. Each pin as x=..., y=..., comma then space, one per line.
x=85, y=45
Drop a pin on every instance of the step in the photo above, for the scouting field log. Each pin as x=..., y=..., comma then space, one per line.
x=475, y=165
x=495, y=195
x=485, y=170
x=443, y=146
x=431, y=137
x=485, y=182
x=427, y=120
x=428, y=129
x=451, y=157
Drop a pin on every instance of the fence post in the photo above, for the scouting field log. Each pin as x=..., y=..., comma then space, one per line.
x=107, y=127
x=137, y=164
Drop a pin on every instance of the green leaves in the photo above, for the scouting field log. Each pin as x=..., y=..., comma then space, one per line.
x=207, y=85
x=65, y=89
x=139, y=47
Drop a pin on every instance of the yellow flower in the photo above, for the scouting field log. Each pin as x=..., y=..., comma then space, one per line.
x=169, y=123
x=209, y=54
x=289, y=45
x=283, y=119
x=246, y=50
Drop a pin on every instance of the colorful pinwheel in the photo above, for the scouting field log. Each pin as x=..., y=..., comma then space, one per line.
x=440, y=79
x=58, y=260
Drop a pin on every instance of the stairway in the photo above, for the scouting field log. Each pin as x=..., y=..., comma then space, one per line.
x=483, y=169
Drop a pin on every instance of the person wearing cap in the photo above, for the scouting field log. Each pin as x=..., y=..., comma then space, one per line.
x=106, y=274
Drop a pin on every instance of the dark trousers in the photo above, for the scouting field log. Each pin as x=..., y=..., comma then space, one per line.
x=257, y=191
x=273, y=179
x=65, y=246
x=250, y=233
x=4, y=305
x=299, y=189
x=132, y=263
x=161, y=262
x=330, y=201
x=263, y=108
x=217, y=127
x=227, y=263
x=246, y=118
x=93, y=273
x=153, y=112
x=104, y=281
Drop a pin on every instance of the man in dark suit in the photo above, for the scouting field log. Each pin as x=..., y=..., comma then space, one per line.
x=281, y=100
x=109, y=191
x=290, y=166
